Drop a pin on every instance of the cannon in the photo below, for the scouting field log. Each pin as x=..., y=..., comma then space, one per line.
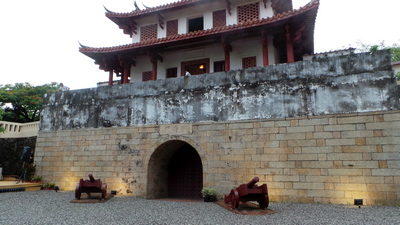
x=90, y=186
x=248, y=192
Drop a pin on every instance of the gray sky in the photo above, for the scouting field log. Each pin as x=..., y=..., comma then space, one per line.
x=39, y=39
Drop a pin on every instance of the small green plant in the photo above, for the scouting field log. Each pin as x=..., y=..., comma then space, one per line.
x=48, y=185
x=397, y=75
x=36, y=178
x=206, y=192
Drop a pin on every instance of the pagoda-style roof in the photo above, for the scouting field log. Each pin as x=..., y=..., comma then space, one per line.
x=302, y=19
x=126, y=21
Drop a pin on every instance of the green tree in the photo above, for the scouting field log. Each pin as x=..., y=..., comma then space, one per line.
x=22, y=102
x=395, y=49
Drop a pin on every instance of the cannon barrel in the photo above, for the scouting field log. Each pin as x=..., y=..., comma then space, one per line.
x=253, y=182
x=91, y=178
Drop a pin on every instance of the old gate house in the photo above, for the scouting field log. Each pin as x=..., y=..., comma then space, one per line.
x=316, y=129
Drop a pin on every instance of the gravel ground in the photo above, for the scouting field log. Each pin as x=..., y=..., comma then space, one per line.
x=50, y=207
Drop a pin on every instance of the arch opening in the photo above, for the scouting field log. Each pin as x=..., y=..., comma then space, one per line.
x=175, y=171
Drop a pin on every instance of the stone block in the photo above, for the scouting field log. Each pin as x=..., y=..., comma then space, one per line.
x=339, y=127
x=291, y=136
x=383, y=141
x=322, y=179
x=347, y=172
x=299, y=157
x=300, y=129
x=350, y=187
x=385, y=172
x=302, y=143
x=357, y=134
x=308, y=186
x=325, y=193
x=322, y=149
x=317, y=164
x=356, y=119
x=282, y=178
x=340, y=142
x=322, y=135
x=383, y=125
x=344, y=156
x=353, y=149
x=286, y=164
x=313, y=122
x=386, y=156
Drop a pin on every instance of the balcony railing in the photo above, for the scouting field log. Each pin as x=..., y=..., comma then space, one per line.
x=19, y=130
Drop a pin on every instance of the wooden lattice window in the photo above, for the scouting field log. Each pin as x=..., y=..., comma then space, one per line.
x=172, y=27
x=219, y=66
x=249, y=62
x=147, y=76
x=148, y=32
x=196, y=24
x=172, y=72
x=219, y=18
x=248, y=12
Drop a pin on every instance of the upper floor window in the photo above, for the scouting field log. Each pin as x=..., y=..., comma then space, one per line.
x=219, y=18
x=249, y=62
x=196, y=24
x=172, y=27
x=248, y=12
x=219, y=66
x=147, y=75
x=148, y=32
x=172, y=72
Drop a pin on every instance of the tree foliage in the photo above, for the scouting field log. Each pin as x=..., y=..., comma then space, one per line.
x=22, y=102
x=395, y=49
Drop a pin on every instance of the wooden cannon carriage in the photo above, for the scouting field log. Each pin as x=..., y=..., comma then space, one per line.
x=90, y=186
x=248, y=192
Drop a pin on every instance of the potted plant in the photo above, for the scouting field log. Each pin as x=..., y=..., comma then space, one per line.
x=36, y=179
x=48, y=186
x=209, y=194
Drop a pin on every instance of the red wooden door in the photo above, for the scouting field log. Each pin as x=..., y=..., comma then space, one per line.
x=185, y=174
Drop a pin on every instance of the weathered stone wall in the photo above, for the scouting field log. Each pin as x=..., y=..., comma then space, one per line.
x=343, y=84
x=327, y=159
x=319, y=131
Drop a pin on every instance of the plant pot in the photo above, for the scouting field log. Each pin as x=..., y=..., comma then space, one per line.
x=210, y=199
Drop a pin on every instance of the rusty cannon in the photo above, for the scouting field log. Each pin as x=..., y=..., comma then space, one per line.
x=248, y=192
x=90, y=186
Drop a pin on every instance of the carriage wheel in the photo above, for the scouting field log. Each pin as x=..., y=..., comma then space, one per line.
x=234, y=199
x=264, y=202
x=78, y=192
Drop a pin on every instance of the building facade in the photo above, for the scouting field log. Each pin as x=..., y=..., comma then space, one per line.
x=323, y=130
x=203, y=36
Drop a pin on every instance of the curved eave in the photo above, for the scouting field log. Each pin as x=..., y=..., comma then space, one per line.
x=157, y=9
x=306, y=14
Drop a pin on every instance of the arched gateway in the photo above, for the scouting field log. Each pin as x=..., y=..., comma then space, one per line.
x=175, y=170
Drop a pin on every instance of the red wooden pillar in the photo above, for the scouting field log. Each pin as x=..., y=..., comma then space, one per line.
x=110, y=77
x=126, y=64
x=154, y=69
x=127, y=73
x=154, y=57
x=227, y=49
x=265, y=49
x=289, y=46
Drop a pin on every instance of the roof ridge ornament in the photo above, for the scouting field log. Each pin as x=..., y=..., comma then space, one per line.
x=145, y=6
x=109, y=11
x=136, y=6
x=83, y=46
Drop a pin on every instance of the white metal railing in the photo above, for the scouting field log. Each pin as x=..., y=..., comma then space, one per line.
x=19, y=130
